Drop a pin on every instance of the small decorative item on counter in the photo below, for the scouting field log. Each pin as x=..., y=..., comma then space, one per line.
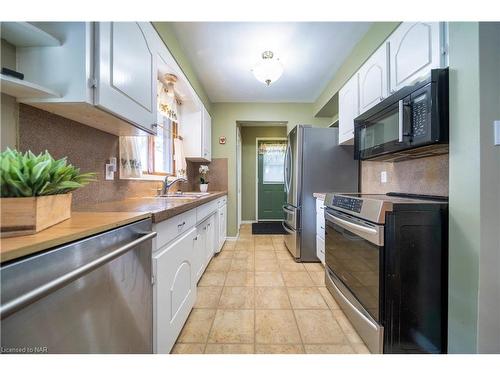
x=36, y=191
x=203, y=178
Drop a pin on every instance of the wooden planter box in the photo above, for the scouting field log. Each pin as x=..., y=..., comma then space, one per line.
x=28, y=215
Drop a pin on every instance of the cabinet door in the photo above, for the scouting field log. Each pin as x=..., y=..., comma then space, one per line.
x=348, y=110
x=174, y=290
x=222, y=225
x=415, y=48
x=124, y=65
x=211, y=243
x=320, y=249
x=207, y=135
x=200, y=258
x=373, y=79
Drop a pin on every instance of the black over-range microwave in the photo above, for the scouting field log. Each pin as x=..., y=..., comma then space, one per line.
x=411, y=123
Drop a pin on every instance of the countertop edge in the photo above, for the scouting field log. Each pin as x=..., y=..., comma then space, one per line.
x=64, y=239
x=320, y=196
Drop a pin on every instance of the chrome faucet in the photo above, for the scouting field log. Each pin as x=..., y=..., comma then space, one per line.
x=167, y=185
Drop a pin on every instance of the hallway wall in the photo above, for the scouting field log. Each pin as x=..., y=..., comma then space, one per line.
x=249, y=134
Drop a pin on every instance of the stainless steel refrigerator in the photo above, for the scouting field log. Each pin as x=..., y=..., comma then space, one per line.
x=314, y=163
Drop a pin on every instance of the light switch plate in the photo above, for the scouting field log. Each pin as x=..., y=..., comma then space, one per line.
x=383, y=177
x=496, y=127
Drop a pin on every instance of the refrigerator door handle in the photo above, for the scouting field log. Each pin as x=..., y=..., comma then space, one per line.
x=288, y=230
x=286, y=169
x=288, y=210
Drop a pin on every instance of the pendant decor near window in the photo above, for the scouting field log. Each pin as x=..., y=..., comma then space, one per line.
x=167, y=100
x=273, y=162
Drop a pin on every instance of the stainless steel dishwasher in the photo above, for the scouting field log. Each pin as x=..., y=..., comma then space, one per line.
x=90, y=296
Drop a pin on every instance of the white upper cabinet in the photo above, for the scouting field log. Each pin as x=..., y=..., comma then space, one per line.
x=103, y=72
x=373, y=79
x=126, y=82
x=196, y=131
x=207, y=135
x=348, y=109
x=415, y=49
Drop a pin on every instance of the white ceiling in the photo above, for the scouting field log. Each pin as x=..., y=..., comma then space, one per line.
x=223, y=54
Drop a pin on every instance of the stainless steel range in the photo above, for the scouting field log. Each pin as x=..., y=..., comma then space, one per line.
x=386, y=258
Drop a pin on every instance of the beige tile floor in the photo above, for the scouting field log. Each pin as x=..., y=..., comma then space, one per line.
x=254, y=298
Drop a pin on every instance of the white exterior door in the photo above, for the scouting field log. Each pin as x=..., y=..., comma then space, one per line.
x=174, y=290
x=415, y=49
x=373, y=79
x=124, y=64
x=348, y=110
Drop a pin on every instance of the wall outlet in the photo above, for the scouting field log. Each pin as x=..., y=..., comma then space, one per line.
x=496, y=127
x=383, y=177
x=110, y=171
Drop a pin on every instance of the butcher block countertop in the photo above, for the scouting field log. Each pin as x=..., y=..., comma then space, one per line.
x=89, y=220
x=161, y=208
x=80, y=225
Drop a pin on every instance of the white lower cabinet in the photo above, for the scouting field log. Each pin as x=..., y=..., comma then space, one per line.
x=204, y=249
x=221, y=227
x=183, y=248
x=174, y=289
x=320, y=230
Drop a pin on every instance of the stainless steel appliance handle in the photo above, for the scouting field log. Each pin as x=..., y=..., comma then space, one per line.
x=34, y=295
x=351, y=225
x=400, y=120
x=285, y=227
x=286, y=169
x=286, y=209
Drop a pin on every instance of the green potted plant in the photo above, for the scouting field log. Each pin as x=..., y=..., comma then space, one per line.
x=203, y=177
x=36, y=191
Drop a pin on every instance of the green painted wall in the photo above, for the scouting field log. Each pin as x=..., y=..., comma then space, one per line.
x=249, y=134
x=166, y=32
x=474, y=260
x=464, y=187
x=224, y=118
x=326, y=105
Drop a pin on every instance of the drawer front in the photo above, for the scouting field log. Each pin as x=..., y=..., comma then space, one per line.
x=320, y=226
x=222, y=201
x=320, y=249
x=205, y=210
x=320, y=206
x=169, y=229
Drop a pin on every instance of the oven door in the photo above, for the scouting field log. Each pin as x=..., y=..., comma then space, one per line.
x=353, y=252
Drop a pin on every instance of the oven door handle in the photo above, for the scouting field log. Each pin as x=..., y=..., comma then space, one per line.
x=350, y=225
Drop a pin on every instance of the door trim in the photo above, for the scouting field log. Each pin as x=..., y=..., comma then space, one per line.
x=257, y=169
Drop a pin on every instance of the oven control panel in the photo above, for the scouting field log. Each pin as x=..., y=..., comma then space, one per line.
x=347, y=203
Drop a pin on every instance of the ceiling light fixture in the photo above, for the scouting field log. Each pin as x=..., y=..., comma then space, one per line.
x=269, y=70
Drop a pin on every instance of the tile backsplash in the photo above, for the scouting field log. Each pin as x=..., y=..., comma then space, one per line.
x=420, y=176
x=90, y=149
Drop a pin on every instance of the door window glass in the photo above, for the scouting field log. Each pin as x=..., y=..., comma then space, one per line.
x=273, y=162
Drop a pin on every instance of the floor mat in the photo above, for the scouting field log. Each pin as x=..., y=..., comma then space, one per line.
x=268, y=227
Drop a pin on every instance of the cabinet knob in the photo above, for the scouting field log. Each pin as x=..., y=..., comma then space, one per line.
x=381, y=98
x=181, y=224
x=393, y=91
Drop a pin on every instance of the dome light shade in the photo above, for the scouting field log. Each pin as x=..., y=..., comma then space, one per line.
x=269, y=70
